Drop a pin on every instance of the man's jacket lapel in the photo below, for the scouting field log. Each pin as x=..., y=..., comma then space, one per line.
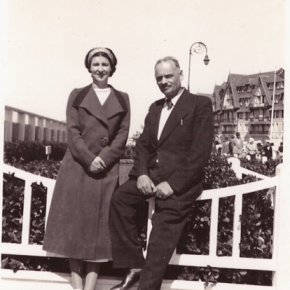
x=179, y=111
x=156, y=119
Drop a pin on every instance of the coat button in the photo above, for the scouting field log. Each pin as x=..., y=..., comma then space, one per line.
x=105, y=139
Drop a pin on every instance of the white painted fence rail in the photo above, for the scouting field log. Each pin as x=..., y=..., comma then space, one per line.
x=46, y=280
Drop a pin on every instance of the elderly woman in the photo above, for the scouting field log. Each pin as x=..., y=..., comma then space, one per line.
x=251, y=149
x=98, y=118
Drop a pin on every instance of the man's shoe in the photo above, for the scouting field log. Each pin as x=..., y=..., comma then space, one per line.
x=129, y=280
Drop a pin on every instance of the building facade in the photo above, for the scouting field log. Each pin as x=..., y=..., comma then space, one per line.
x=20, y=125
x=248, y=103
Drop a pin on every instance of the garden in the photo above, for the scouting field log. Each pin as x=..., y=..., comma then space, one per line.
x=256, y=219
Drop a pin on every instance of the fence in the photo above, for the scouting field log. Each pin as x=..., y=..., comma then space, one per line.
x=47, y=280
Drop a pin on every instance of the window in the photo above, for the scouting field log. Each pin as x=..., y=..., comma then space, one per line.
x=270, y=86
x=276, y=98
x=280, y=85
x=247, y=102
x=281, y=98
x=257, y=100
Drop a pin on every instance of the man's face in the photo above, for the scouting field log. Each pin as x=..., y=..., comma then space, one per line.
x=168, y=78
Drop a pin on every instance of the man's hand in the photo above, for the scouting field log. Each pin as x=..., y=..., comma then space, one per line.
x=145, y=185
x=97, y=165
x=163, y=190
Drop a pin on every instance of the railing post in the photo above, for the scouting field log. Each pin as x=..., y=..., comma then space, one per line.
x=281, y=232
x=151, y=209
x=236, y=165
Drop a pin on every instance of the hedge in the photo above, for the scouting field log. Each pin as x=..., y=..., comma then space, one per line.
x=27, y=151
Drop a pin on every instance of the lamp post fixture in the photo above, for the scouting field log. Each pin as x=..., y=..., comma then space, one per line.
x=197, y=47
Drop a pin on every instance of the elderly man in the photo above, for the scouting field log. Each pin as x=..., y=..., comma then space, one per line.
x=171, y=154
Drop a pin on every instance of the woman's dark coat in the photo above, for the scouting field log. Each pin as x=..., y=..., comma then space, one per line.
x=78, y=220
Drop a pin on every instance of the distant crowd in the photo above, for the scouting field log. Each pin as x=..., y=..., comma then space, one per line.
x=252, y=150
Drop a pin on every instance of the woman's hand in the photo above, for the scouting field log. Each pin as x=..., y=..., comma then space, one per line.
x=97, y=165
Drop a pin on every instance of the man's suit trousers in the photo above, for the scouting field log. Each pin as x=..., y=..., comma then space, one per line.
x=168, y=222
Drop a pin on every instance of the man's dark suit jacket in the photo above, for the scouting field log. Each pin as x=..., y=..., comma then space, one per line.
x=183, y=148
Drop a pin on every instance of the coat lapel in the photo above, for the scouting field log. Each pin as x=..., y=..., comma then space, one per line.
x=92, y=104
x=179, y=111
x=114, y=104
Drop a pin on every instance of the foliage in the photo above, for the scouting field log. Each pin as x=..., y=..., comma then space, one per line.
x=37, y=216
x=12, y=211
x=45, y=168
x=267, y=168
x=130, y=152
x=214, y=275
x=207, y=274
x=26, y=151
x=257, y=224
x=34, y=263
x=256, y=218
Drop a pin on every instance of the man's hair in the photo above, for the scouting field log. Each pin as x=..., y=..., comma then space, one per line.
x=169, y=58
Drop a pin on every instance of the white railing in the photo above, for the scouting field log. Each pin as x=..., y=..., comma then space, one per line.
x=234, y=262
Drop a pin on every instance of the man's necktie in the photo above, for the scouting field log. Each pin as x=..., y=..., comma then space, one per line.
x=168, y=104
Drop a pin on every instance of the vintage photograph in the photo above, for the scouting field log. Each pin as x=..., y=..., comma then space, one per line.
x=143, y=144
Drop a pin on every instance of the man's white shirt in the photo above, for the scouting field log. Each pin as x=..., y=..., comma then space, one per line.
x=165, y=113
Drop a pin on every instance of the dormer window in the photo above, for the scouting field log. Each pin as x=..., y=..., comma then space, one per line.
x=257, y=100
x=270, y=86
x=280, y=85
x=239, y=89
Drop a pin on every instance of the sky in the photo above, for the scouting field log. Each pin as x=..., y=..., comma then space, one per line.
x=45, y=43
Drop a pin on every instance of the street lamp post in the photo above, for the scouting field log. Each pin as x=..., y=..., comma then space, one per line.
x=197, y=47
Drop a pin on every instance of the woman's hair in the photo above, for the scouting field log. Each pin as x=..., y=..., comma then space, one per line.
x=101, y=51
